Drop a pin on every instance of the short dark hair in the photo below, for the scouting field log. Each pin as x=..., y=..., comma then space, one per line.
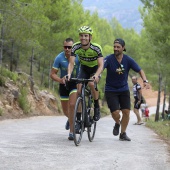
x=121, y=42
x=69, y=39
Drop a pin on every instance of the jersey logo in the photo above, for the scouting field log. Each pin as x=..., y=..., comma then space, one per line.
x=120, y=70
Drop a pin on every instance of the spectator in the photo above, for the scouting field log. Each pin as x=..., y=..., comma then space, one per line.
x=137, y=93
x=116, y=89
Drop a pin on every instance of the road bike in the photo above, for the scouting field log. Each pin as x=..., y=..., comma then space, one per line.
x=83, y=113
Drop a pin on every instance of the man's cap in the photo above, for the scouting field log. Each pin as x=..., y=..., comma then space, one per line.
x=121, y=42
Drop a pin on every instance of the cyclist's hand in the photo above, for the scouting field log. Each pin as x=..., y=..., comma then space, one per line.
x=67, y=77
x=96, y=78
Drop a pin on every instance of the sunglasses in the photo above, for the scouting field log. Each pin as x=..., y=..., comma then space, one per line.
x=69, y=47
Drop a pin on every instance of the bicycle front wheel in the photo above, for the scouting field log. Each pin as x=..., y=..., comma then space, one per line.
x=92, y=128
x=78, y=121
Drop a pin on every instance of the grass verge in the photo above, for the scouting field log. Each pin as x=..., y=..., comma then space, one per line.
x=162, y=128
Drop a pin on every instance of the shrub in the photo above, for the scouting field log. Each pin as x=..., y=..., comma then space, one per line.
x=2, y=81
x=8, y=73
x=1, y=112
x=23, y=101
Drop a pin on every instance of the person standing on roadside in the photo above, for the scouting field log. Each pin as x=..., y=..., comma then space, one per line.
x=68, y=95
x=137, y=93
x=116, y=88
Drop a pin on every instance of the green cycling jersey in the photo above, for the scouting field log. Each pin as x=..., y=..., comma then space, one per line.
x=87, y=57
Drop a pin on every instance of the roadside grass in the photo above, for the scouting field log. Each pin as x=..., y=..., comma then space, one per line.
x=162, y=128
x=1, y=112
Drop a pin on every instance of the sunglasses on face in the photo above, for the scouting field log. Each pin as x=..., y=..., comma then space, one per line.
x=69, y=47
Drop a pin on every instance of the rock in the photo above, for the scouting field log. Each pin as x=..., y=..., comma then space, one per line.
x=9, y=108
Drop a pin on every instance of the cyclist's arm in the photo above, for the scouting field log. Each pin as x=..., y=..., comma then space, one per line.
x=100, y=66
x=70, y=66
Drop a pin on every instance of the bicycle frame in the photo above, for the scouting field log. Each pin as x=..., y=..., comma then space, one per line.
x=86, y=119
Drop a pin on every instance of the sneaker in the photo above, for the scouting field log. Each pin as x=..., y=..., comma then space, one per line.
x=70, y=137
x=78, y=127
x=67, y=126
x=96, y=116
x=123, y=137
x=116, y=129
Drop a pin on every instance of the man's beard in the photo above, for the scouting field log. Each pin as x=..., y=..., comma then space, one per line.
x=117, y=53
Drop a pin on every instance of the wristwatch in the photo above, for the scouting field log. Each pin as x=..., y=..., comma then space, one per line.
x=145, y=81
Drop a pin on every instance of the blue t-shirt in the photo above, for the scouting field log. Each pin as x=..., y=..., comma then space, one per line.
x=117, y=73
x=61, y=62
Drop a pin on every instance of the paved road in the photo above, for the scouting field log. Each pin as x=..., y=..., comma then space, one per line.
x=40, y=143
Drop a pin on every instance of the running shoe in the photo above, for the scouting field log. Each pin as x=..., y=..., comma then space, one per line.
x=96, y=116
x=124, y=137
x=70, y=137
x=116, y=129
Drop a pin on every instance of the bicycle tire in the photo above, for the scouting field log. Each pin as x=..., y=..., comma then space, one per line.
x=92, y=129
x=79, y=107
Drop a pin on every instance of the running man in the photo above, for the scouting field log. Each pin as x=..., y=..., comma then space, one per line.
x=116, y=89
x=67, y=96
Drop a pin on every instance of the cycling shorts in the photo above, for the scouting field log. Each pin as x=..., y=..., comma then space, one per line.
x=87, y=72
x=118, y=100
x=64, y=93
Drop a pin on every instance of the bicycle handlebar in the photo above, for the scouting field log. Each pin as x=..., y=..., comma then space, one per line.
x=81, y=80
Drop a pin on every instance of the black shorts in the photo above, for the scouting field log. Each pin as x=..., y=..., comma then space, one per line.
x=118, y=100
x=87, y=72
x=64, y=93
x=136, y=104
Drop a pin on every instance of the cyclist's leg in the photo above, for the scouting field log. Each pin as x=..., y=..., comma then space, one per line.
x=95, y=94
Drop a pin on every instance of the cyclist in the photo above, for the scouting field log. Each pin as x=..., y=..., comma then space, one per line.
x=91, y=63
x=116, y=89
x=67, y=96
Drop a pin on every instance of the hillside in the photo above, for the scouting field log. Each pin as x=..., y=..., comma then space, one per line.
x=39, y=102
x=126, y=12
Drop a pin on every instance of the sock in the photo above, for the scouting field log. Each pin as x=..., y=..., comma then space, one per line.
x=78, y=116
x=96, y=103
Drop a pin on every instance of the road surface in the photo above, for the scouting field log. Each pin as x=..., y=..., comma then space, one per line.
x=40, y=143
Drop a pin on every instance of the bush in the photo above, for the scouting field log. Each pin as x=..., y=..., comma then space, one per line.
x=2, y=81
x=8, y=73
x=1, y=112
x=23, y=101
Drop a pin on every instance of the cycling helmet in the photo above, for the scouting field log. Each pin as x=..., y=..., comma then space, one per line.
x=86, y=30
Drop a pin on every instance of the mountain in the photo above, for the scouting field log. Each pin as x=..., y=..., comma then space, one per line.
x=125, y=11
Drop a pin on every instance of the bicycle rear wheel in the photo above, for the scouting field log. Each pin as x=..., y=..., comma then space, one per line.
x=92, y=129
x=78, y=121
